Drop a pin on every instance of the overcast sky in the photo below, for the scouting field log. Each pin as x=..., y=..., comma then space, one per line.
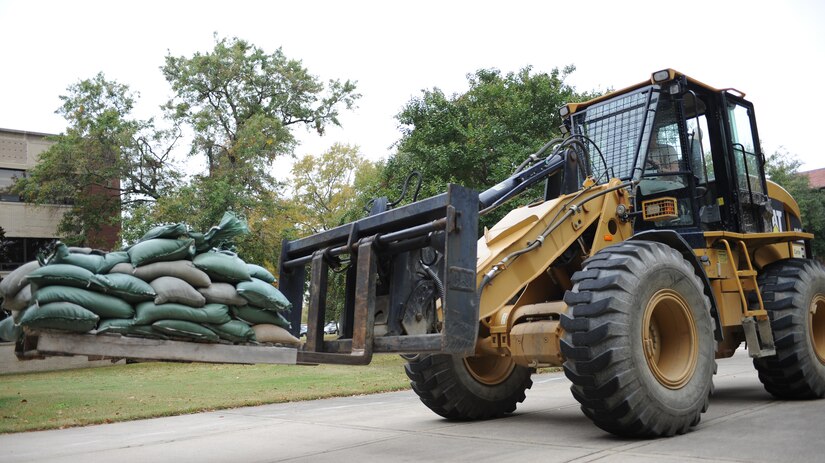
x=771, y=50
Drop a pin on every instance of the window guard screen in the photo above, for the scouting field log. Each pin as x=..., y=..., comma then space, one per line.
x=616, y=127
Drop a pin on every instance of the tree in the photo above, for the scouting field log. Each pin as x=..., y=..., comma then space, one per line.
x=104, y=163
x=477, y=138
x=328, y=191
x=783, y=168
x=242, y=104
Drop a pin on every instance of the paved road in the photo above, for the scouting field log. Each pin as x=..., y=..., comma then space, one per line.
x=743, y=424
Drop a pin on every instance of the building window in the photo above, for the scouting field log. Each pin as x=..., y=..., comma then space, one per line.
x=15, y=252
x=7, y=177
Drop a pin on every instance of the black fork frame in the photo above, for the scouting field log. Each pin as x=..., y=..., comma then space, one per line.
x=447, y=222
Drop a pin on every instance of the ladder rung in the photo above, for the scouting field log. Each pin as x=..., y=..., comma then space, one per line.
x=746, y=273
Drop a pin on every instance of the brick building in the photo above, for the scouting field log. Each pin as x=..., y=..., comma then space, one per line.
x=30, y=227
x=816, y=178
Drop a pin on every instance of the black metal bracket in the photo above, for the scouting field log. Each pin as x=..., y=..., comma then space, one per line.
x=448, y=223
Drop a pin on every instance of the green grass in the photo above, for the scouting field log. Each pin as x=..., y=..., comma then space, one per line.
x=34, y=401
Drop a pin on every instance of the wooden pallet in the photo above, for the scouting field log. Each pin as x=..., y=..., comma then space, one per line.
x=115, y=346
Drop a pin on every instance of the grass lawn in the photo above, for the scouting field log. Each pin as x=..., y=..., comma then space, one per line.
x=59, y=399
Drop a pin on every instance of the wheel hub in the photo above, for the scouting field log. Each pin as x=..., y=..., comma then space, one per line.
x=817, y=326
x=669, y=339
x=489, y=370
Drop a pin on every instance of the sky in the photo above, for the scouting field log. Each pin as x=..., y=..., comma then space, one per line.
x=774, y=51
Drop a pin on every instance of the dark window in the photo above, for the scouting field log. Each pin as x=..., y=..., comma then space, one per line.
x=7, y=177
x=15, y=252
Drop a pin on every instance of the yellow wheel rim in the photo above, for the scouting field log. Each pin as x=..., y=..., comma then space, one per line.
x=817, y=326
x=490, y=370
x=669, y=338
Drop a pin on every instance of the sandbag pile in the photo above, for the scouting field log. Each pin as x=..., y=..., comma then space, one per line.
x=172, y=284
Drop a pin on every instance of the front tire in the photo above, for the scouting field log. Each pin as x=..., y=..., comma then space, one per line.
x=638, y=341
x=473, y=388
x=793, y=292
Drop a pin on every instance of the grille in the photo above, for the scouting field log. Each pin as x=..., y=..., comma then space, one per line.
x=616, y=127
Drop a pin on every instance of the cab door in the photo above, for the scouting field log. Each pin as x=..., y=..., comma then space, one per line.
x=747, y=166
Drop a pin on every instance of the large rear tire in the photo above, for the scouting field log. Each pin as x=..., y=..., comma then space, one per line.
x=638, y=341
x=793, y=292
x=473, y=388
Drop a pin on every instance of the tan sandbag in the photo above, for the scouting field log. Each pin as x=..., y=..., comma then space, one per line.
x=19, y=301
x=171, y=289
x=222, y=293
x=123, y=267
x=17, y=279
x=79, y=250
x=275, y=335
x=183, y=269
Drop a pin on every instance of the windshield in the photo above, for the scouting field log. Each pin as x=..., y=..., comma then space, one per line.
x=616, y=127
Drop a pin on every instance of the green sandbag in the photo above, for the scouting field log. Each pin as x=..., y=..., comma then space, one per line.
x=11, y=332
x=263, y=295
x=103, y=305
x=17, y=279
x=115, y=325
x=91, y=262
x=149, y=312
x=185, y=329
x=61, y=274
x=130, y=289
x=227, y=268
x=127, y=327
x=200, y=242
x=256, y=271
x=234, y=330
x=113, y=258
x=255, y=316
x=173, y=231
x=159, y=250
x=229, y=228
x=63, y=316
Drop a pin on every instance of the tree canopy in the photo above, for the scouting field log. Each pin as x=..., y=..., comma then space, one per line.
x=478, y=137
x=104, y=162
x=327, y=190
x=242, y=104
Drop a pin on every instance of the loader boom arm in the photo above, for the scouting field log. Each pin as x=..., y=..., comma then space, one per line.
x=382, y=257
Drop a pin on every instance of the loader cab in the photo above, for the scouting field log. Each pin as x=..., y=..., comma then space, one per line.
x=716, y=165
x=693, y=150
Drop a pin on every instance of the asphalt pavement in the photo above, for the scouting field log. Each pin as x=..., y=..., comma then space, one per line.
x=743, y=424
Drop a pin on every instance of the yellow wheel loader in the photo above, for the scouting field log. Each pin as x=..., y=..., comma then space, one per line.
x=658, y=247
